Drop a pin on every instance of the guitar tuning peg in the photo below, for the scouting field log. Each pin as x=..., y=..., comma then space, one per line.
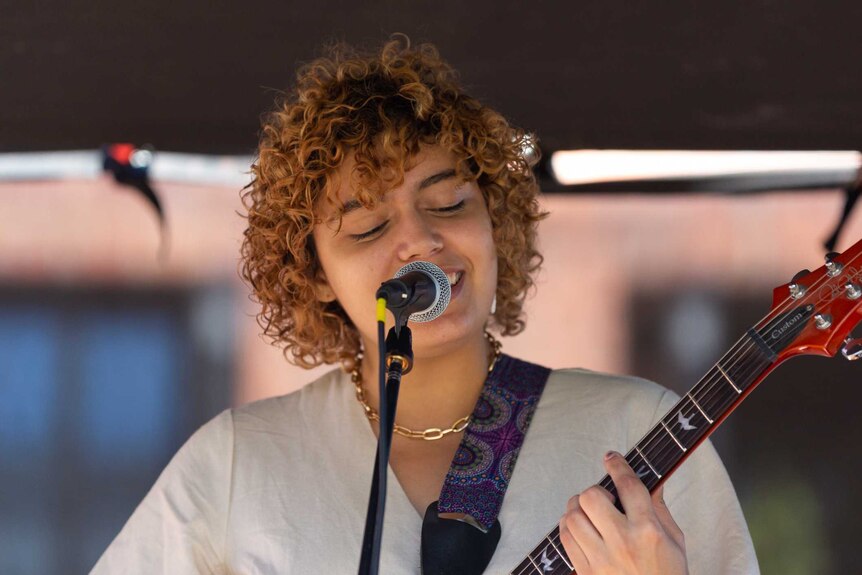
x=852, y=349
x=833, y=268
x=796, y=290
x=800, y=274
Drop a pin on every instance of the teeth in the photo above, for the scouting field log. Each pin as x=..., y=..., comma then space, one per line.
x=454, y=277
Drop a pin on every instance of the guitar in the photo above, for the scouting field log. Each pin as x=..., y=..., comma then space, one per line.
x=812, y=315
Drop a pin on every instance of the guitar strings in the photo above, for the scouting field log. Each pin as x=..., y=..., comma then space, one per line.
x=668, y=450
x=650, y=439
x=752, y=365
x=654, y=434
x=554, y=542
x=710, y=386
x=660, y=458
x=711, y=383
x=714, y=397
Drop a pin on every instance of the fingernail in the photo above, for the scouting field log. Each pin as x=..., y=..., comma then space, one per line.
x=610, y=455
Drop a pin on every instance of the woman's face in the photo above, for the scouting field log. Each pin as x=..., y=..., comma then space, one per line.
x=434, y=216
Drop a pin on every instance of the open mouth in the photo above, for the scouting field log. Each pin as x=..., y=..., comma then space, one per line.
x=454, y=278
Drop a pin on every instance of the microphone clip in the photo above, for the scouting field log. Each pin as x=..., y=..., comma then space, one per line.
x=399, y=300
x=399, y=347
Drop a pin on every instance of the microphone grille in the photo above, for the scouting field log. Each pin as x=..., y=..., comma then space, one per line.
x=444, y=290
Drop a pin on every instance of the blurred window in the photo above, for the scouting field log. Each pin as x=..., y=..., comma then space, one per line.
x=29, y=350
x=97, y=391
x=130, y=369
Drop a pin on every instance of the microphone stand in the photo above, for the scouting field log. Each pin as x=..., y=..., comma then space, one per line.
x=419, y=288
x=398, y=359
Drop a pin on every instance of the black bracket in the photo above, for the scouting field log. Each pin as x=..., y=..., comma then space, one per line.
x=852, y=197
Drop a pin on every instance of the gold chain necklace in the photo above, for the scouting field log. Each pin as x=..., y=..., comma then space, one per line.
x=432, y=433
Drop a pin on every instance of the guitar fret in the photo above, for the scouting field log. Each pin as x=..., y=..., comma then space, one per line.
x=536, y=567
x=641, y=469
x=561, y=554
x=549, y=557
x=764, y=348
x=523, y=566
x=672, y=436
x=686, y=423
x=656, y=473
x=699, y=408
x=727, y=377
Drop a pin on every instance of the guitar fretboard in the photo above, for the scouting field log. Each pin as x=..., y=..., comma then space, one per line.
x=690, y=420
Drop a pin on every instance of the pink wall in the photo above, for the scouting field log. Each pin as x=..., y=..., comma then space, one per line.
x=597, y=250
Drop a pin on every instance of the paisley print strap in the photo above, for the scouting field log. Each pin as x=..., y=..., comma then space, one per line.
x=483, y=465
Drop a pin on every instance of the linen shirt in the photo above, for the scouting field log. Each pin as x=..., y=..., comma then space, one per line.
x=281, y=486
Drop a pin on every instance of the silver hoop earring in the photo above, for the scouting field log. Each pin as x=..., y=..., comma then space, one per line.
x=494, y=305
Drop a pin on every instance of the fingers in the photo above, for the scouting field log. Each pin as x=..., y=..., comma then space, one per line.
x=665, y=518
x=577, y=558
x=581, y=526
x=598, y=538
x=633, y=493
x=574, y=502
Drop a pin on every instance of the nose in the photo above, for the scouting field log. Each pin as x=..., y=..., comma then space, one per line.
x=417, y=236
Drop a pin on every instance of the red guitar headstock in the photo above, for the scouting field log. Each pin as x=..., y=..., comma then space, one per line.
x=817, y=312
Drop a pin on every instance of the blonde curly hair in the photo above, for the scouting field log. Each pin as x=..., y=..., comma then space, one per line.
x=380, y=107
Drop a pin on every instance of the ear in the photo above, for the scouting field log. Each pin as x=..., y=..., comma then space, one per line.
x=322, y=290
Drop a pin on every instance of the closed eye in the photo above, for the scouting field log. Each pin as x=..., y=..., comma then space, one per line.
x=370, y=233
x=445, y=210
x=451, y=209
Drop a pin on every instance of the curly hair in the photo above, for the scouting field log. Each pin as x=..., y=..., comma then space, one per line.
x=380, y=107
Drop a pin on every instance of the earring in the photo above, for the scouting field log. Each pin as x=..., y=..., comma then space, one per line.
x=494, y=305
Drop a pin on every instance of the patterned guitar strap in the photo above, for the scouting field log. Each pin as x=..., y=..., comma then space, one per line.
x=460, y=532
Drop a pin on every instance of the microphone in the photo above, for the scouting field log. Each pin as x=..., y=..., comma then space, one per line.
x=419, y=290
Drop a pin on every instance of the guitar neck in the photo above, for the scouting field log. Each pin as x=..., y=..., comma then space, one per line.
x=691, y=420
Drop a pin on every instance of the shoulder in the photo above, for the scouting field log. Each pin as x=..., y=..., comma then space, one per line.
x=279, y=414
x=302, y=403
x=296, y=407
x=596, y=388
x=601, y=406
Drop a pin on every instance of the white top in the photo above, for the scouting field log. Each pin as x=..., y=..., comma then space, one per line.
x=281, y=486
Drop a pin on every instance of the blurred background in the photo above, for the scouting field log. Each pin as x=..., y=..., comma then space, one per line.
x=120, y=334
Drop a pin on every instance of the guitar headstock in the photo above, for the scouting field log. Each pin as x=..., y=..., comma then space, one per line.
x=817, y=311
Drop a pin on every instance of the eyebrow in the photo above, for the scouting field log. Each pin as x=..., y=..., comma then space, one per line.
x=353, y=204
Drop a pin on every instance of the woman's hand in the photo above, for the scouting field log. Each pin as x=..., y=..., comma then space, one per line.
x=600, y=540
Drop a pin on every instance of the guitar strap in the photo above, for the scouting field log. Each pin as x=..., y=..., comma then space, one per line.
x=460, y=532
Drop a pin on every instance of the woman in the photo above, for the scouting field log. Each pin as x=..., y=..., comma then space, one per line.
x=374, y=161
